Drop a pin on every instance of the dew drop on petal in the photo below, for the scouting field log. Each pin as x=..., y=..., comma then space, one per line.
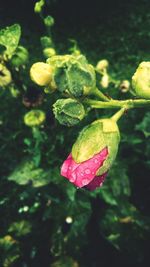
x=73, y=177
x=85, y=181
x=87, y=171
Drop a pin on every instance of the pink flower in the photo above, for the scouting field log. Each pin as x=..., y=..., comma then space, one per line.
x=84, y=174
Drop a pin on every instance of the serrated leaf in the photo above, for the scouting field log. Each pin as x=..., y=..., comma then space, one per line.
x=20, y=228
x=144, y=125
x=27, y=173
x=116, y=186
x=9, y=38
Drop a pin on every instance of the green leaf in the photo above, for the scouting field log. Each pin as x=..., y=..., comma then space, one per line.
x=20, y=228
x=144, y=125
x=9, y=38
x=27, y=173
x=116, y=186
x=121, y=220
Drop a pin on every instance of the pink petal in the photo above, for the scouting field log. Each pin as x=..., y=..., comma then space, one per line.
x=96, y=182
x=83, y=173
x=65, y=166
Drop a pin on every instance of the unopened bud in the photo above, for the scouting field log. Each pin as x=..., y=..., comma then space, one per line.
x=49, y=52
x=102, y=64
x=34, y=118
x=124, y=86
x=49, y=21
x=141, y=81
x=38, y=6
x=41, y=73
x=73, y=74
x=68, y=111
x=105, y=81
x=46, y=42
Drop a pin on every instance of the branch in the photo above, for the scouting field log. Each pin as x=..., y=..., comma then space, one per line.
x=128, y=104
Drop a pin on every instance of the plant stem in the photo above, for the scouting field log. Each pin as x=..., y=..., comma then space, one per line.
x=118, y=114
x=128, y=104
x=99, y=94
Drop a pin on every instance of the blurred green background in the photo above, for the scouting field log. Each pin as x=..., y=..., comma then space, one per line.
x=45, y=221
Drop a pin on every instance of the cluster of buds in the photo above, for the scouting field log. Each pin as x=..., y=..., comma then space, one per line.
x=101, y=68
x=96, y=147
x=69, y=74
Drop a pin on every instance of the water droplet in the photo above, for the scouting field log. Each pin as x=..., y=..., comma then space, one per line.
x=73, y=177
x=96, y=160
x=69, y=220
x=70, y=167
x=87, y=171
x=85, y=182
x=92, y=172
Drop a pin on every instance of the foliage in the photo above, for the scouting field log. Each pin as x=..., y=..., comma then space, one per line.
x=45, y=220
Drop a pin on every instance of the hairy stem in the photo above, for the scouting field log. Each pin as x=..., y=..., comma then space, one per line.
x=128, y=104
x=99, y=94
x=118, y=114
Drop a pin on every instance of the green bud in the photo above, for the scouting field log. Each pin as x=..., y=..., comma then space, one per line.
x=124, y=86
x=38, y=6
x=14, y=91
x=68, y=111
x=5, y=76
x=73, y=74
x=49, y=21
x=105, y=81
x=49, y=52
x=94, y=138
x=41, y=73
x=76, y=52
x=46, y=42
x=102, y=64
x=20, y=57
x=141, y=81
x=34, y=118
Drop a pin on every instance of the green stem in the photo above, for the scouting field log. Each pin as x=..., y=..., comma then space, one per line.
x=118, y=114
x=99, y=94
x=128, y=104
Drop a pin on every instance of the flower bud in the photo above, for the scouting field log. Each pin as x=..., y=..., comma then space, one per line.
x=49, y=21
x=49, y=52
x=68, y=111
x=41, y=73
x=92, y=154
x=38, y=6
x=72, y=74
x=76, y=52
x=5, y=76
x=102, y=64
x=141, y=81
x=20, y=57
x=125, y=86
x=34, y=118
x=104, y=81
x=46, y=42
